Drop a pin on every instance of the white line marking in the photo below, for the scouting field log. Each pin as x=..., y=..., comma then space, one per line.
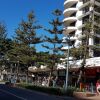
x=12, y=94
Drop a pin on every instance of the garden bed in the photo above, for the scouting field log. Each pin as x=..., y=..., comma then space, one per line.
x=49, y=90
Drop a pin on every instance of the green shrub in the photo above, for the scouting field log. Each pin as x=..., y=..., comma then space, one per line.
x=68, y=92
x=50, y=90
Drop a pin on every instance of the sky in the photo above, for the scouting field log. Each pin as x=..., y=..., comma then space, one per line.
x=13, y=11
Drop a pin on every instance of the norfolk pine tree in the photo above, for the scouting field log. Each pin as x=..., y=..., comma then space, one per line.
x=55, y=40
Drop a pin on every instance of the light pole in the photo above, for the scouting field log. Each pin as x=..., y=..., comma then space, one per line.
x=67, y=68
x=67, y=40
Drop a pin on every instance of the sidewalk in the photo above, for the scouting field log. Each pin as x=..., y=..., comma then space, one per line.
x=94, y=98
x=86, y=96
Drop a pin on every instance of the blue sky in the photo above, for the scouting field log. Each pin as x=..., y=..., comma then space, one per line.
x=13, y=11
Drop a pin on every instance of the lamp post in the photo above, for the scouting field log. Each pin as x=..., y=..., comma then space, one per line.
x=67, y=69
x=67, y=40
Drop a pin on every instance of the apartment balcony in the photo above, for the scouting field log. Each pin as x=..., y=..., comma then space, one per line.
x=69, y=3
x=69, y=20
x=97, y=13
x=65, y=59
x=81, y=36
x=69, y=29
x=84, y=5
x=84, y=14
x=97, y=35
x=64, y=48
x=97, y=2
x=69, y=11
x=77, y=43
x=61, y=66
x=73, y=38
x=96, y=23
x=90, y=63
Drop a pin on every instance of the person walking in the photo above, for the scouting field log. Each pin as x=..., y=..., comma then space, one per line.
x=98, y=86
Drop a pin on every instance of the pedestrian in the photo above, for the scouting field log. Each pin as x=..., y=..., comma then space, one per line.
x=98, y=87
x=44, y=81
x=54, y=81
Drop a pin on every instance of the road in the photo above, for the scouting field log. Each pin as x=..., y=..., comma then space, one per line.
x=13, y=93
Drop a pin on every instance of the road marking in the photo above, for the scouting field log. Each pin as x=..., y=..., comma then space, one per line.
x=12, y=94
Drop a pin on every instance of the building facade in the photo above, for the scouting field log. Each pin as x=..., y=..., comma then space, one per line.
x=77, y=14
x=82, y=23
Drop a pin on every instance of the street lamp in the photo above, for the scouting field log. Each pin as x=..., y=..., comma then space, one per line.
x=67, y=40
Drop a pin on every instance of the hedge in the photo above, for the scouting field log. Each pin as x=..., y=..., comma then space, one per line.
x=49, y=90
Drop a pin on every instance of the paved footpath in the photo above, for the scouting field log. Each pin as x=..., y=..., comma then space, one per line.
x=95, y=98
x=11, y=93
x=87, y=96
x=91, y=98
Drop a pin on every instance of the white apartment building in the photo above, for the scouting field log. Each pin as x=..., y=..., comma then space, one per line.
x=77, y=13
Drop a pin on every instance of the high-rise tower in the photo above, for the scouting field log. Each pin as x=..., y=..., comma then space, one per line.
x=82, y=29
x=77, y=14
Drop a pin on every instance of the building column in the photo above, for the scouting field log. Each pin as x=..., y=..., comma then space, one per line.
x=91, y=38
x=91, y=43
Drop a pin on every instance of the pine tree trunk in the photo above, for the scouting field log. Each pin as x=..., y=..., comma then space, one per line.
x=26, y=79
x=50, y=77
x=27, y=76
x=84, y=61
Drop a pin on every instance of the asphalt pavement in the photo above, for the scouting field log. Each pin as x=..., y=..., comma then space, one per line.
x=13, y=93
